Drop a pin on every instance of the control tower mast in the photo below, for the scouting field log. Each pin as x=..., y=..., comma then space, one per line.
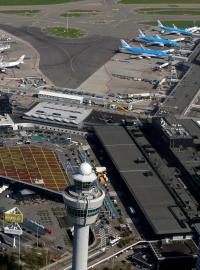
x=83, y=201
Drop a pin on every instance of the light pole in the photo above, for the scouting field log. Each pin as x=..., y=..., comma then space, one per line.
x=67, y=24
x=37, y=235
x=19, y=251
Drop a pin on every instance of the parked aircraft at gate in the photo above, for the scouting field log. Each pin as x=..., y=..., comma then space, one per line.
x=158, y=40
x=4, y=65
x=147, y=53
x=175, y=30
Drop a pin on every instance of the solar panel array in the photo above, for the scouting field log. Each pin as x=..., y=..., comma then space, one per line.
x=34, y=165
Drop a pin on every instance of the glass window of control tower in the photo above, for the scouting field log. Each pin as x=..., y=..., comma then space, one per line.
x=82, y=213
x=83, y=185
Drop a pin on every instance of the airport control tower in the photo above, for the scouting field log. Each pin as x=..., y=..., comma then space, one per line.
x=83, y=201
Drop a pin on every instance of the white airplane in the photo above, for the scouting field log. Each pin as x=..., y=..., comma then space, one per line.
x=4, y=48
x=4, y=65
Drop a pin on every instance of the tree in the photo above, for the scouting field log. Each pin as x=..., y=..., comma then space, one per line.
x=8, y=263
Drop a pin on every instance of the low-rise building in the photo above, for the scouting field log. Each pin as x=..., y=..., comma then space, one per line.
x=57, y=96
x=6, y=122
x=58, y=114
x=173, y=132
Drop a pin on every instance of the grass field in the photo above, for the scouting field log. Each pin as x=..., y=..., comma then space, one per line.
x=78, y=12
x=64, y=32
x=71, y=14
x=181, y=24
x=20, y=12
x=170, y=11
x=31, y=2
x=158, y=1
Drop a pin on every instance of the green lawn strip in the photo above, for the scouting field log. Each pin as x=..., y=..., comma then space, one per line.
x=78, y=12
x=180, y=24
x=31, y=2
x=84, y=10
x=170, y=11
x=158, y=1
x=20, y=12
x=64, y=32
x=71, y=14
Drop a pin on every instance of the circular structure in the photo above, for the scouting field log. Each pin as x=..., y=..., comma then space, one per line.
x=85, y=168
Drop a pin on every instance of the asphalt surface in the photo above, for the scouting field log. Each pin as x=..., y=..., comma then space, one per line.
x=70, y=62
x=67, y=63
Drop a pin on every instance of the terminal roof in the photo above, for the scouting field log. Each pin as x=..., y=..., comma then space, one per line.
x=154, y=200
x=60, y=113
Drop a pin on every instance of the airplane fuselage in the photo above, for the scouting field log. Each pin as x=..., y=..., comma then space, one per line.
x=176, y=30
x=144, y=52
x=7, y=64
x=158, y=40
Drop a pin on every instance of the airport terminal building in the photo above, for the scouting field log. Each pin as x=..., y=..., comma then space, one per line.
x=157, y=207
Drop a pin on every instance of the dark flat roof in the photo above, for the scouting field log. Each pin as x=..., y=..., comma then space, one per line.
x=149, y=192
x=177, y=248
x=106, y=118
x=192, y=127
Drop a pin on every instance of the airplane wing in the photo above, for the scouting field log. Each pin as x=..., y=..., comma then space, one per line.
x=136, y=57
x=193, y=29
x=148, y=56
x=3, y=70
x=178, y=39
x=155, y=43
x=141, y=56
x=176, y=33
x=171, y=32
x=169, y=51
